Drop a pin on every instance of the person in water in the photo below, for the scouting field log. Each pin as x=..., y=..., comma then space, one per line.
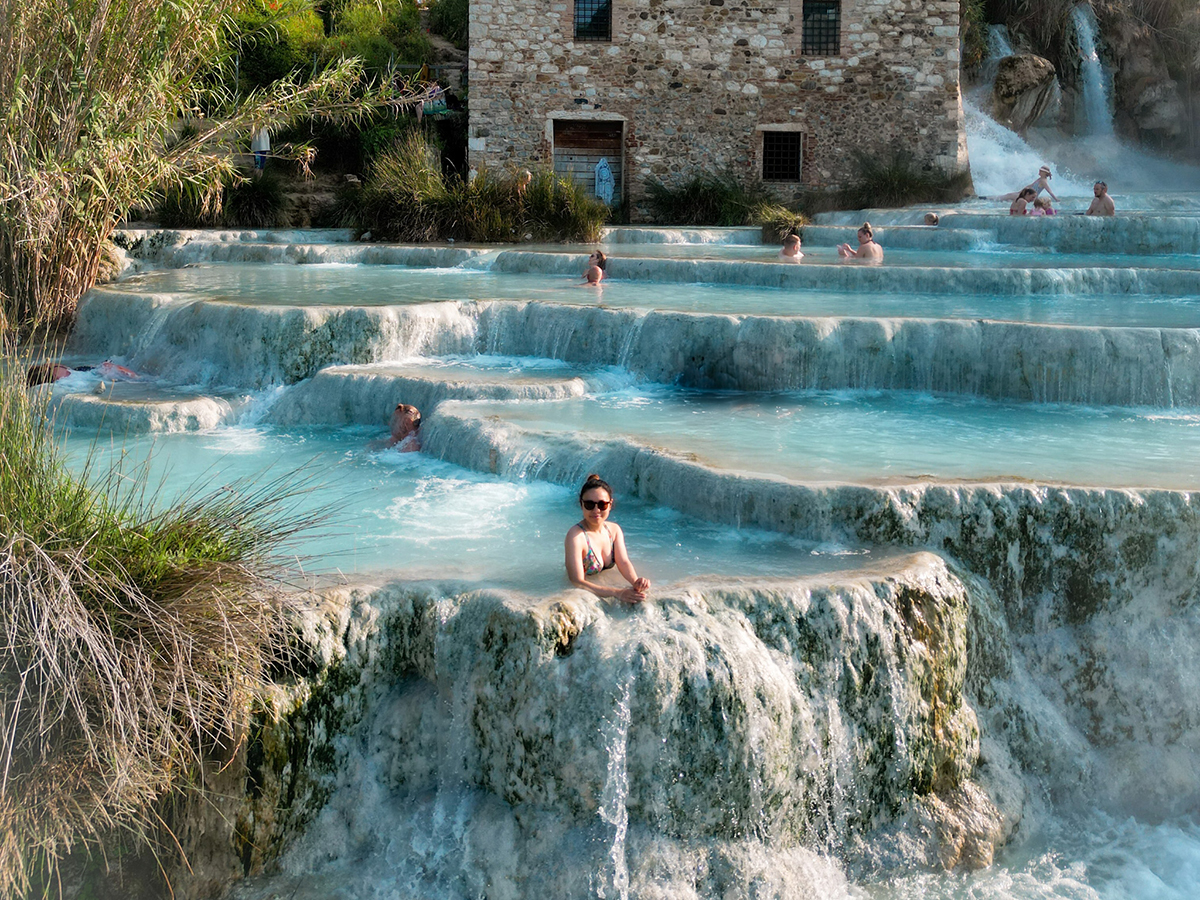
x=867, y=248
x=790, y=252
x=597, y=266
x=595, y=545
x=1039, y=184
x=1020, y=206
x=931, y=219
x=405, y=426
x=48, y=373
x=1102, y=204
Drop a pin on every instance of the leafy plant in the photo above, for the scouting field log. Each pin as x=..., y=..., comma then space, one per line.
x=972, y=28
x=255, y=203
x=407, y=198
x=93, y=95
x=271, y=41
x=450, y=19
x=716, y=200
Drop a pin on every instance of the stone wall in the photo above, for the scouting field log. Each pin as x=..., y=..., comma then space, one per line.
x=696, y=83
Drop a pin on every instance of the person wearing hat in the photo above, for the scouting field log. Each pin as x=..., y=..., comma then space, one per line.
x=1042, y=183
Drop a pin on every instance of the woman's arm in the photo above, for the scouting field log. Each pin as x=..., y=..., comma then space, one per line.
x=1051, y=193
x=574, y=547
x=624, y=564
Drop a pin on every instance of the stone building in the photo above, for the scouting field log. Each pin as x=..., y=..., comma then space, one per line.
x=782, y=90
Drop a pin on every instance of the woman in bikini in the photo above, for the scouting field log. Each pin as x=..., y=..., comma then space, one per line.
x=596, y=544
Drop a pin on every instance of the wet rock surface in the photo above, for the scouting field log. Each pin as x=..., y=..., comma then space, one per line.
x=1023, y=90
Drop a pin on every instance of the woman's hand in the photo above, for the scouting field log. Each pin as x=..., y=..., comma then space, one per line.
x=632, y=595
x=642, y=585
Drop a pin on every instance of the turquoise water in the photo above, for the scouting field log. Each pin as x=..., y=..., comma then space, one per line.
x=406, y=514
x=885, y=438
x=376, y=286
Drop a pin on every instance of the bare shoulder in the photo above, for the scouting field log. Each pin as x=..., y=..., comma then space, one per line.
x=574, y=533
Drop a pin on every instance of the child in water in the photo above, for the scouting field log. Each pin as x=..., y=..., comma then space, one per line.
x=790, y=252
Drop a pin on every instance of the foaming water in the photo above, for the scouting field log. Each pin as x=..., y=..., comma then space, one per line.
x=1082, y=856
x=1002, y=162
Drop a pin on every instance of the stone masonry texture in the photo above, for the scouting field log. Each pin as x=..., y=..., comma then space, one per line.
x=695, y=84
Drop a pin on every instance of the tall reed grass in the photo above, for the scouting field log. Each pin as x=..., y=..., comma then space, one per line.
x=407, y=198
x=92, y=94
x=131, y=638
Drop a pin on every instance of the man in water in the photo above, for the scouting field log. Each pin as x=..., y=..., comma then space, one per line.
x=790, y=252
x=1103, y=204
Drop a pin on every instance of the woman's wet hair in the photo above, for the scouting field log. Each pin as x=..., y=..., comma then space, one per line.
x=42, y=373
x=866, y=226
x=1030, y=191
x=593, y=482
x=416, y=413
x=601, y=260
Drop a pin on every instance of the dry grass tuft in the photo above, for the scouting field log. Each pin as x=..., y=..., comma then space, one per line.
x=131, y=640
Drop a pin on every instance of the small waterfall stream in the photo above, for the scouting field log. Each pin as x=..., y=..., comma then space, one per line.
x=1096, y=82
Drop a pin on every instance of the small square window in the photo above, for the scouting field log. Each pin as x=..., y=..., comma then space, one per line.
x=593, y=20
x=822, y=28
x=782, y=155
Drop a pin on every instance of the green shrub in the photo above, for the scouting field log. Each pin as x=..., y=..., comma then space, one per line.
x=271, y=42
x=723, y=201
x=557, y=208
x=893, y=178
x=406, y=198
x=189, y=207
x=483, y=210
x=380, y=36
x=402, y=29
x=248, y=203
x=450, y=19
x=403, y=196
x=707, y=200
x=973, y=24
x=778, y=222
x=255, y=203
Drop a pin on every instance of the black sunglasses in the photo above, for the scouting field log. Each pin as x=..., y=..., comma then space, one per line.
x=601, y=505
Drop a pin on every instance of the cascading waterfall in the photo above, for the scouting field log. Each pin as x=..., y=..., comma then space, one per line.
x=1002, y=162
x=614, y=882
x=1096, y=82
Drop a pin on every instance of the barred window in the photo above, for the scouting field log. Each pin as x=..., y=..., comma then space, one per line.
x=593, y=20
x=782, y=155
x=822, y=28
